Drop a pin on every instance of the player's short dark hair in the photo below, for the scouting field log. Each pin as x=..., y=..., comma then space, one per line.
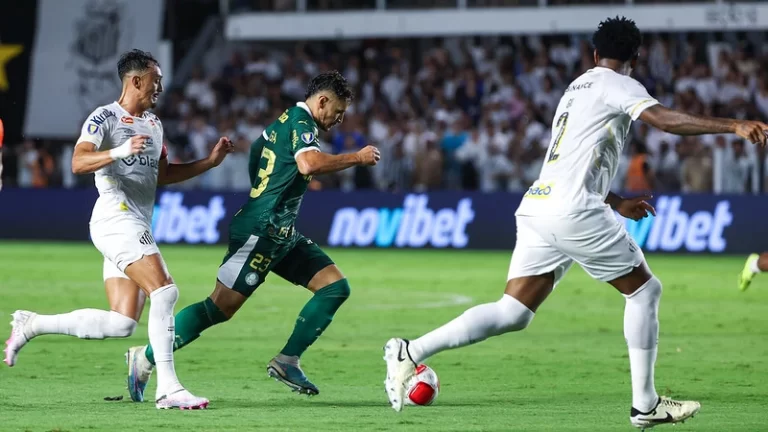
x=134, y=61
x=618, y=39
x=331, y=81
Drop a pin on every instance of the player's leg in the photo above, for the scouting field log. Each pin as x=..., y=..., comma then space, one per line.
x=190, y=322
x=308, y=266
x=129, y=245
x=756, y=263
x=602, y=246
x=124, y=297
x=151, y=274
x=244, y=268
x=535, y=269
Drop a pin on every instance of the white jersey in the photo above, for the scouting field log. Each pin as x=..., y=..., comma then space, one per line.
x=589, y=131
x=126, y=187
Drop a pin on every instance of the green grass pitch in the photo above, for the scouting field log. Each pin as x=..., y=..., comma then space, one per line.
x=568, y=372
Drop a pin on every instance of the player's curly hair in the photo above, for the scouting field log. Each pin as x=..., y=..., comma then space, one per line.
x=134, y=61
x=618, y=39
x=331, y=81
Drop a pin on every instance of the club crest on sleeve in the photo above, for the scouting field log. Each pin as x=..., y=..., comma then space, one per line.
x=92, y=129
x=251, y=278
x=308, y=137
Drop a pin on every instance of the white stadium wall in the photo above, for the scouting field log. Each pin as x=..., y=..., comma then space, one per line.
x=490, y=21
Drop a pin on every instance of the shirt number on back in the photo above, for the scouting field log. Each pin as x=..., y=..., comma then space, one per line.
x=562, y=121
x=264, y=173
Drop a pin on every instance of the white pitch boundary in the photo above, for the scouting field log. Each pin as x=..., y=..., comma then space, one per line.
x=448, y=300
x=442, y=300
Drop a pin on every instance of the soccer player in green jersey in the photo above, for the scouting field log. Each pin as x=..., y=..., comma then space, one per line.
x=263, y=240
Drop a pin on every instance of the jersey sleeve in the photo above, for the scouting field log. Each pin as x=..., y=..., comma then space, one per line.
x=629, y=97
x=92, y=131
x=303, y=137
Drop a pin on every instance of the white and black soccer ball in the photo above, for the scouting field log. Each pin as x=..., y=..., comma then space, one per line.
x=423, y=387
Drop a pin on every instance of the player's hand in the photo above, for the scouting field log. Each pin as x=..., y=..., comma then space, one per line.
x=753, y=131
x=220, y=151
x=138, y=144
x=369, y=155
x=636, y=208
x=132, y=146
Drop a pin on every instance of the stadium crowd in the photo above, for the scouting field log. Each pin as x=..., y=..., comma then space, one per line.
x=470, y=113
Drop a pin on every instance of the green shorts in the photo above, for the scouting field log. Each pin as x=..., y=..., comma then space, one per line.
x=249, y=260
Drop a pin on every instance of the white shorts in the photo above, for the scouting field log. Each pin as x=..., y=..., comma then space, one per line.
x=122, y=242
x=595, y=239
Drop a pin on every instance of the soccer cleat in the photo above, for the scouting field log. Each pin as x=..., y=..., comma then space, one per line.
x=400, y=369
x=139, y=371
x=292, y=376
x=182, y=400
x=746, y=275
x=18, y=339
x=665, y=411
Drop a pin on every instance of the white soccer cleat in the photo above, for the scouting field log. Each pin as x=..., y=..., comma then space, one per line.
x=400, y=369
x=18, y=339
x=182, y=400
x=665, y=411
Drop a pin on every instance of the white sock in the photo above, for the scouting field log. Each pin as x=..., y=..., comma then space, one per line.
x=753, y=265
x=641, y=330
x=83, y=323
x=161, y=336
x=474, y=325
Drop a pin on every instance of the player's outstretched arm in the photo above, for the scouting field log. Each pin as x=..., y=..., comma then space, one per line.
x=168, y=173
x=86, y=159
x=317, y=162
x=680, y=123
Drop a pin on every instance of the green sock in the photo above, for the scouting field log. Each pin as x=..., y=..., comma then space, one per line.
x=315, y=317
x=190, y=322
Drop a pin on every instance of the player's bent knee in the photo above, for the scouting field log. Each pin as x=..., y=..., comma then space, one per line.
x=344, y=289
x=339, y=289
x=516, y=315
x=166, y=294
x=120, y=326
x=649, y=292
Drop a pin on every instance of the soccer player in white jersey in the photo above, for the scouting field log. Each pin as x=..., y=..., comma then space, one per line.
x=122, y=143
x=567, y=215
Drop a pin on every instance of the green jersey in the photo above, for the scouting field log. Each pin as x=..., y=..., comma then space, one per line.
x=277, y=186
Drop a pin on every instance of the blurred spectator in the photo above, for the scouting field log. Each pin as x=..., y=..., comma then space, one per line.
x=68, y=180
x=28, y=165
x=640, y=176
x=697, y=170
x=429, y=168
x=668, y=167
x=737, y=167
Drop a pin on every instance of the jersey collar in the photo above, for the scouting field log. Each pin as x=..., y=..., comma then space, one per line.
x=120, y=107
x=304, y=106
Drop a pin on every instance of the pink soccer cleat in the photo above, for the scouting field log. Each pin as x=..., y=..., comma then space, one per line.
x=18, y=339
x=182, y=400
